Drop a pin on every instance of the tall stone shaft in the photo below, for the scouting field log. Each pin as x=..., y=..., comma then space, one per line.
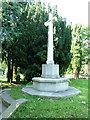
x=50, y=41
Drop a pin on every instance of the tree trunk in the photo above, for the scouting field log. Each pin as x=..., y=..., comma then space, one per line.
x=76, y=74
x=15, y=70
x=8, y=72
x=12, y=71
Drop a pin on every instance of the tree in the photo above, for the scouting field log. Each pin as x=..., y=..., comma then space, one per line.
x=36, y=42
x=79, y=49
x=25, y=39
x=62, y=43
x=18, y=39
x=62, y=40
x=11, y=14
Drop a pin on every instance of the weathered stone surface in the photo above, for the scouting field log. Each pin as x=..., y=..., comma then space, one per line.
x=70, y=92
x=7, y=99
x=8, y=105
x=12, y=108
x=50, y=71
x=50, y=84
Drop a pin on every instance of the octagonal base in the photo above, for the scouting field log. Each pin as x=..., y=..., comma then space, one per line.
x=50, y=84
x=70, y=92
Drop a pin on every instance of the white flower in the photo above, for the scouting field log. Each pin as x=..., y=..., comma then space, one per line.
x=38, y=98
x=83, y=102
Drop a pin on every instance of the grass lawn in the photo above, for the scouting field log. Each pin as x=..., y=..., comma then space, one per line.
x=5, y=84
x=43, y=107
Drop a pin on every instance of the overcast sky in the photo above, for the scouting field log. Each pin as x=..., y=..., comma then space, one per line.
x=75, y=11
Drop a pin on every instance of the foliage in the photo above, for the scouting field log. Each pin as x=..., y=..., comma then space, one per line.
x=25, y=37
x=11, y=13
x=36, y=43
x=79, y=49
x=62, y=43
x=2, y=66
x=42, y=107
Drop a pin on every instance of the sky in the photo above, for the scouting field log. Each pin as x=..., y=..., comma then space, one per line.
x=75, y=11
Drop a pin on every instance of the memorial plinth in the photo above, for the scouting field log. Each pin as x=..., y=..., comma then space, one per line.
x=50, y=84
x=50, y=80
x=50, y=71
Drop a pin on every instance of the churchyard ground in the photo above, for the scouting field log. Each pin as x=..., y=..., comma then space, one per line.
x=44, y=107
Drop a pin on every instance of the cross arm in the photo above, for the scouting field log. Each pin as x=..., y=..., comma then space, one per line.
x=51, y=20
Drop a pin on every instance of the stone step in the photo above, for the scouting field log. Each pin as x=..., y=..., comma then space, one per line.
x=7, y=104
x=6, y=98
x=3, y=107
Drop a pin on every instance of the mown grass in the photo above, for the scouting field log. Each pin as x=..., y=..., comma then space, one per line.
x=43, y=107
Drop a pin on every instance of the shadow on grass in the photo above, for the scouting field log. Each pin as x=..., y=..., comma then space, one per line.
x=4, y=84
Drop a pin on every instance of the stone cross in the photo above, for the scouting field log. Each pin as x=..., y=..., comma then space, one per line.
x=49, y=23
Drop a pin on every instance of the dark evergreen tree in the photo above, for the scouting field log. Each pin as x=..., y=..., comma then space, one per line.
x=25, y=38
x=62, y=43
x=36, y=37
x=11, y=15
